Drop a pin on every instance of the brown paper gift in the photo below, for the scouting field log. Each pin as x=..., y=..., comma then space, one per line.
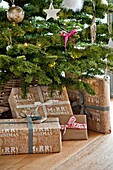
x=39, y=100
x=19, y=136
x=73, y=127
x=96, y=107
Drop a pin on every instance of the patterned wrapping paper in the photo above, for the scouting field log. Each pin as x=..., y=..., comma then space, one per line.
x=16, y=136
x=39, y=99
x=98, y=105
x=73, y=127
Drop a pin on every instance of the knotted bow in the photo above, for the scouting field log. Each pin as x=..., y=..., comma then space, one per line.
x=72, y=124
x=79, y=105
x=67, y=36
x=36, y=117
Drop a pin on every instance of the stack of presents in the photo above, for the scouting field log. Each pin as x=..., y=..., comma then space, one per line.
x=41, y=122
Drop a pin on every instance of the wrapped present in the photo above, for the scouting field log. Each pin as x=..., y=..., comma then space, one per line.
x=18, y=136
x=73, y=127
x=97, y=107
x=39, y=101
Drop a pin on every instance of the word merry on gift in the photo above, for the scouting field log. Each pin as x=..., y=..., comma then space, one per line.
x=28, y=136
x=15, y=150
x=29, y=97
x=39, y=101
x=15, y=132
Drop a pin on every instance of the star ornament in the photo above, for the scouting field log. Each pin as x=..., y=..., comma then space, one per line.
x=51, y=12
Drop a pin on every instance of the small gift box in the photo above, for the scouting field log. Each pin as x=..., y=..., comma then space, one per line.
x=73, y=127
x=39, y=100
x=18, y=136
x=96, y=107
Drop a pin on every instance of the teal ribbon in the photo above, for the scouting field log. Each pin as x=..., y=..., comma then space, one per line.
x=30, y=135
x=84, y=108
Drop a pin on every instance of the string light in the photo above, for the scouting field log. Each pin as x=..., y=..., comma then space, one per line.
x=26, y=44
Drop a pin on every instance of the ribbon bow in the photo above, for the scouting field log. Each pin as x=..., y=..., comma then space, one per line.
x=31, y=118
x=72, y=124
x=67, y=36
x=79, y=105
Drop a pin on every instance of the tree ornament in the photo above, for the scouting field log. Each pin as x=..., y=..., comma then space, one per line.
x=67, y=36
x=51, y=12
x=110, y=43
x=109, y=18
x=93, y=30
x=8, y=47
x=15, y=13
x=74, y=5
x=104, y=2
x=93, y=27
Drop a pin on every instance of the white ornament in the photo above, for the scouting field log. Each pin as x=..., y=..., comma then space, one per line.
x=104, y=2
x=8, y=47
x=51, y=12
x=74, y=5
x=110, y=43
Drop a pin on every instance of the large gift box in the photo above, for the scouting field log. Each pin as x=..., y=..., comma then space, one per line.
x=39, y=101
x=19, y=136
x=97, y=107
x=73, y=127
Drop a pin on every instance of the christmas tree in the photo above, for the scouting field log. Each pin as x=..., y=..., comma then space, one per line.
x=69, y=38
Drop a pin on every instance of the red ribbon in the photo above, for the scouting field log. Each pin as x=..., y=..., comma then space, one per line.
x=73, y=125
x=67, y=36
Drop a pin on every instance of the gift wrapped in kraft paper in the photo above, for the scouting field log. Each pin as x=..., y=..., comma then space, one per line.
x=19, y=136
x=73, y=127
x=39, y=101
x=96, y=107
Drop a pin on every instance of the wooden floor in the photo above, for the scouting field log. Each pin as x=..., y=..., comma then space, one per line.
x=96, y=153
